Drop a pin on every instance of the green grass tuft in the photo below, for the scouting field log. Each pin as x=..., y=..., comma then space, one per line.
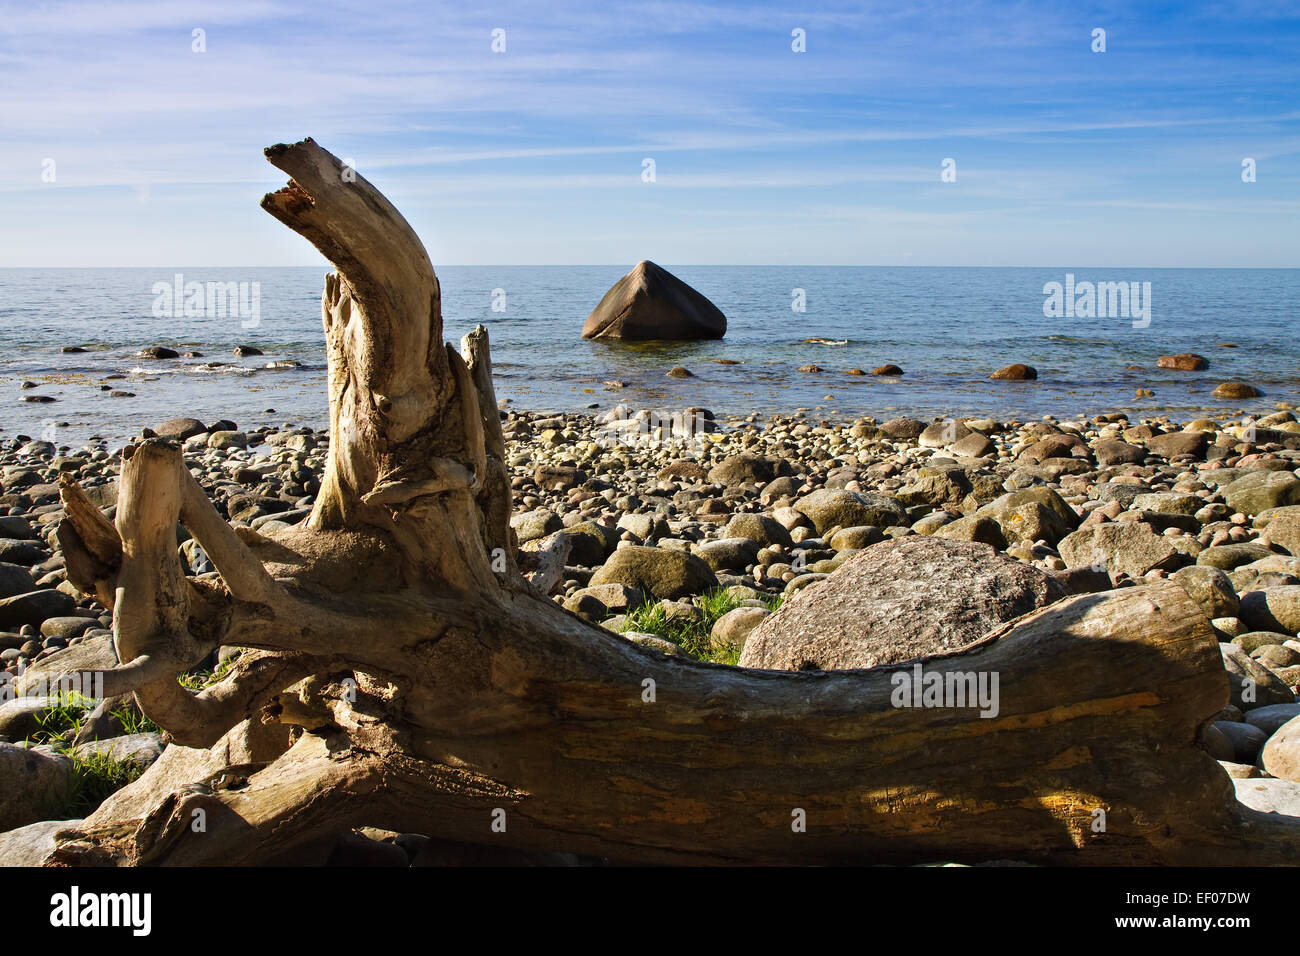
x=94, y=779
x=692, y=636
x=98, y=775
x=133, y=721
x=61, y=721
x=202, y=678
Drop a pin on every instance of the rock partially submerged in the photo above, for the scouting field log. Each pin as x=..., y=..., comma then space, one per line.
x=1237, y=390
x=651, y=303
x=1016, y=372
x=1183, y=362
x=158, y=352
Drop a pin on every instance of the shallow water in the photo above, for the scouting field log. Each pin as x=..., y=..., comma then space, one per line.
x=948, y=328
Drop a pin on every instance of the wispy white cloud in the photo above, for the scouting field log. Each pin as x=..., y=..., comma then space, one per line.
x=555, y=128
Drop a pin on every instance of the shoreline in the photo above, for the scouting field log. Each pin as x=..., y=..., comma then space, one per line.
x=265, y=397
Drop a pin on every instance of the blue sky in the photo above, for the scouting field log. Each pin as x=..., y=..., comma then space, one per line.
x=1064, y=157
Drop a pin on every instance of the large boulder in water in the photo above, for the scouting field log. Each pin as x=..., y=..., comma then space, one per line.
x=898, y=601
x=651, y=303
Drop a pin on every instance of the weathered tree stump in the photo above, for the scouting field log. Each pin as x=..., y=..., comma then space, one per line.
x=404, y=674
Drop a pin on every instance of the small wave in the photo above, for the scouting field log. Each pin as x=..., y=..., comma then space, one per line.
x=826, y=341
x=1059, y=337
x=221, y=368
x=34, y=371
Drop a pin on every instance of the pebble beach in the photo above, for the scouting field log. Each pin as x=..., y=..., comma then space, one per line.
x=688, y=530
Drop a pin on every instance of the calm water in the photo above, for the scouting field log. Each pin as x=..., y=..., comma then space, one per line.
x=947, y=328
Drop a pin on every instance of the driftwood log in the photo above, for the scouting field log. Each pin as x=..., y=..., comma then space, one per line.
x=404, y=673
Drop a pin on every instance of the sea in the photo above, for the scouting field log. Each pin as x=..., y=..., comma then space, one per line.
x=947, y=328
